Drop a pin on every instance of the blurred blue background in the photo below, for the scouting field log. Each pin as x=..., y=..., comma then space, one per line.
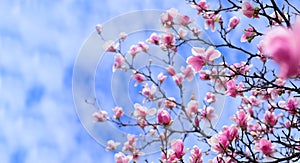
x=39, y=42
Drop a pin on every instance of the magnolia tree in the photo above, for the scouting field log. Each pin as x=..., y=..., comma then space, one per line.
x=266, y=122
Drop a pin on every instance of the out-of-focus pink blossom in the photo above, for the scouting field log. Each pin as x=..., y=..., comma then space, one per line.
x=121, y=158
x=247, y=9
x=265, y=146
x=139, y=78
x=281, y=45
x=171, y=70
x=248, y=35
x=163, y=117
x=111, y=145
x=178, y=147
x=141, y=111
x=196, y=155
x=192, y=107
x=202, y=56
x=100, y=116
x=170, y=158
x=118, y=112
x=233, y=89
x=233, y=22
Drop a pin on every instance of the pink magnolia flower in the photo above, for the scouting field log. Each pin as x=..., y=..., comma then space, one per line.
x=204, y=74
x=242, y=119
x=281, y=45
x=210, y=97
x=182, y=33
x=196, y=31
x=178, y=78
x=292, y=105
x=192, y=107
x=123, y=36
x=210, y=19
x=196, y=155
x=233, y=22
x=168, y=40
x=147, y=92
x=100, y=116
x=188, y=72
x=154, y=39
x=233, y=89
x=99, y=28
x=139, y=78
x=218, y=143
x=110, y=46
x=230, y=132
x=169, y=103
x=118, y=112
x=141, y=111
x=270, y=118
x=163, y=117
x=171, y=70
x=248, y=35
x=184, y=20
x=134, y=50
x=240, y=68
x=202, y=56
x=119, y=62
x=130, y=144
x=144, y=47
x=121, y=158
x=265, y=146
x=208, y=113
x=161, y=77
x=178, y=148
x=200, y=6
x=170, y=158
x=247, y=9
x=136, y=154
x=167, y=18
x=111, y=145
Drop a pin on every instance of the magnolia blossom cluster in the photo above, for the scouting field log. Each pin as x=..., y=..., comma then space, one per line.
x=265, y=124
